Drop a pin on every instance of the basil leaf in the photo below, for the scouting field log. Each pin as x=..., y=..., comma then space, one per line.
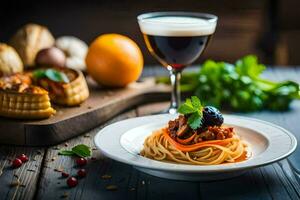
x=66, y=153
x=82, y=150
x=51, y=74
x=57, y=76
x=39, y=73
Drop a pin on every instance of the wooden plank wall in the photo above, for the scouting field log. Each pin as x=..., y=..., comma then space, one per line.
x=240, y=27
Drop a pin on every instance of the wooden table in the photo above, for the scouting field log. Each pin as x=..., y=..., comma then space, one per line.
x=39, y=178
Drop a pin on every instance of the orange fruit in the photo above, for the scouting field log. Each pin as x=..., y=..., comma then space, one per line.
x=114, y=60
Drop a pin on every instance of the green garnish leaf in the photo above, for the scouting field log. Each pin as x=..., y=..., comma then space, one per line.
x=186, y=108
x=249, y=66
x=66, y=153
x=192, y=108
x=51, y=74
x=195, y=120
x=80, y=150
x=57, y=76
x=196, y=103
x=39, y=73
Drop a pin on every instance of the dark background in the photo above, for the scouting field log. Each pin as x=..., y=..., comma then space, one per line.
x=267, y=28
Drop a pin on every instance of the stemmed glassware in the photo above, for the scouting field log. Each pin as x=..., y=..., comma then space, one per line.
x=176, y=40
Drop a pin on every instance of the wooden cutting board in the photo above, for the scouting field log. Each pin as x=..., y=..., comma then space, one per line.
x=71, y=121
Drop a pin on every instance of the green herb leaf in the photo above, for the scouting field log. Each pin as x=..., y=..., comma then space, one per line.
x=57, y=76
x=238, y=87
x=51, y=74
x=185, y=109
x=196, y=103
x=82, y=150
x=195, y=120
x=39, y=73
x=66, y=153
x=192, y=108
x=249, y=66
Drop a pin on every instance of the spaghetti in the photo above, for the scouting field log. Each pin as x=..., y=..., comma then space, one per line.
x=160, y=145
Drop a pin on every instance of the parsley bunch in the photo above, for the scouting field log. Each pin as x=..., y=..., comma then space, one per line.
x=238, y=86
x=192, y=108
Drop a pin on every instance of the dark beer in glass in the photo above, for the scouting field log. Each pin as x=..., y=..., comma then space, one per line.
x=176, y=40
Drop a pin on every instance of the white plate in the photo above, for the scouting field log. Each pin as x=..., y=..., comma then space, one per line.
x=122, y=141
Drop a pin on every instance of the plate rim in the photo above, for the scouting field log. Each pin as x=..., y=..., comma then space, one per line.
x=196, y=168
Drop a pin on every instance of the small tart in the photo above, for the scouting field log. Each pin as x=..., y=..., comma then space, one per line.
x=33, y=104
x=68, y=94
x=23, y=97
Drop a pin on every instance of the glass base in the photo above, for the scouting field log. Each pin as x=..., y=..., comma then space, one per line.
x=172, y=110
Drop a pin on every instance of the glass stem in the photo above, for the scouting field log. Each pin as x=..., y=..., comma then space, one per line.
x=175, y=97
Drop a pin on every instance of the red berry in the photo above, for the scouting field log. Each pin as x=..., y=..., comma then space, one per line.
x=16, y=163
x=81, y=161
x=81, y=173
x=23, y=157
x=64, y=174
x=72, y=182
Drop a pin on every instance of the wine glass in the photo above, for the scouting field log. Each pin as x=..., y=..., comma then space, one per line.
x=176, y=40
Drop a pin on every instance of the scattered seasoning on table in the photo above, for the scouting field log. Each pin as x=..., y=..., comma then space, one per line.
x=89, y=107
x=15, y=183
x=111, y=187
x=106, y=176
x=65, y=195
x=59, y=169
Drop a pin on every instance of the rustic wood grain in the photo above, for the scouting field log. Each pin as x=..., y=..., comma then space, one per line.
x=27, y=174
x=53, y=186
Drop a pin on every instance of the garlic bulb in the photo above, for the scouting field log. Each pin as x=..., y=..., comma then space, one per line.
x=10, y=61
x=29, y=40
x=75, y=50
